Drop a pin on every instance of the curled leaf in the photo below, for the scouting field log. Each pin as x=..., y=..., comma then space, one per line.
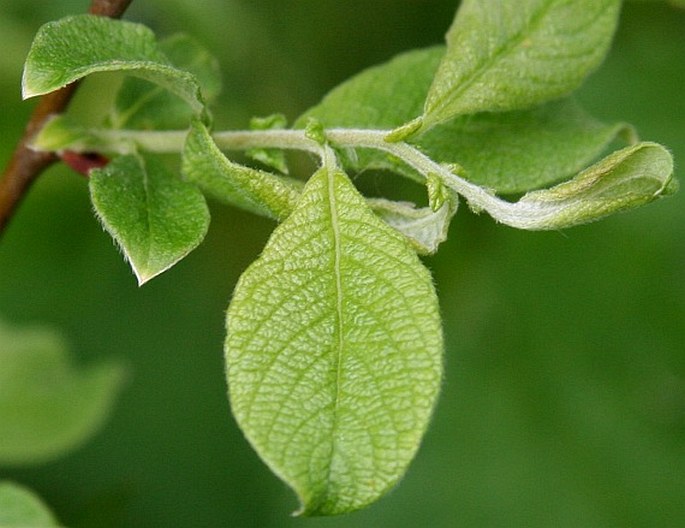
x=257, y=191
x=625, y=179
x=424, y=227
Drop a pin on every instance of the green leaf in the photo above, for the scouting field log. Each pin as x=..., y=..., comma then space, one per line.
x=508, y=152
x=71, y=48
x=142, y=105
x=380, y=97
x=21, y=508
x=334, y=350
x=47, y=406
x=155, y=217
x=257, y=191
x=510, y=55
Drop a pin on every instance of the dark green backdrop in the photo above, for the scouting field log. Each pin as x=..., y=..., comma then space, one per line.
x=564, y=399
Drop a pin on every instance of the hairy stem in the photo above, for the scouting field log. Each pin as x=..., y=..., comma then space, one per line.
x=563, y=205
x=26, y=165
x=518, y=215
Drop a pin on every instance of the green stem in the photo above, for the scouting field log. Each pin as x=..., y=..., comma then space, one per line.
x=171, y=141
x=535, y=211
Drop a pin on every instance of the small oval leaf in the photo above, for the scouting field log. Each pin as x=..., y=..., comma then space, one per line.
x=154, y=216
x=334, y=350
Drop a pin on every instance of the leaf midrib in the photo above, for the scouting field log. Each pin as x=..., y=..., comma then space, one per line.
x=337, y=254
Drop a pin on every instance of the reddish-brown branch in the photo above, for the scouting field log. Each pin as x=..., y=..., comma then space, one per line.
x=26, y=165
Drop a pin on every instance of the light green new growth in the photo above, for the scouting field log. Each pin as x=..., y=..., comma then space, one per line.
x=156, y=218
x=503, y=55
x=47, y=406
x=334, y=350
x=74, y=47
x=21, y=508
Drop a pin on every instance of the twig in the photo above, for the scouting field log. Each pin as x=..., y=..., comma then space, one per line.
x=26, y=165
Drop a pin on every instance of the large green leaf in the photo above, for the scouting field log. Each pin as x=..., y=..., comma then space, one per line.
x=513, y=54
x=71, y=48
x=334, y=350
x=154, y=216
x=47, y=406
x=508, y=152
x=142, y=105
x=21, y=508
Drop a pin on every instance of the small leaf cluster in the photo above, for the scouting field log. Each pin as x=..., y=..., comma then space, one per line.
x=334, y=340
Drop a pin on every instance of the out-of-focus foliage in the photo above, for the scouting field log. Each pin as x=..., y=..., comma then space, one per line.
x=20, y=508
x=48, y=407
x=564, y=399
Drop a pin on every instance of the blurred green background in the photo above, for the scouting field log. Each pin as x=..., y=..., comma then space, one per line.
x=564, y=398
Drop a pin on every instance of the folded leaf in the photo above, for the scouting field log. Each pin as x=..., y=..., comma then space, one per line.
x=71, y=48
x=514, y=54
x=334, y=350
x=257, y=191
x=47, y=406
x=21, y=508
x=154, y=216
x=625, y=179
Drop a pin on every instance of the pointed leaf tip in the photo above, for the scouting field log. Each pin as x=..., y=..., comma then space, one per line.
x=154, y=216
